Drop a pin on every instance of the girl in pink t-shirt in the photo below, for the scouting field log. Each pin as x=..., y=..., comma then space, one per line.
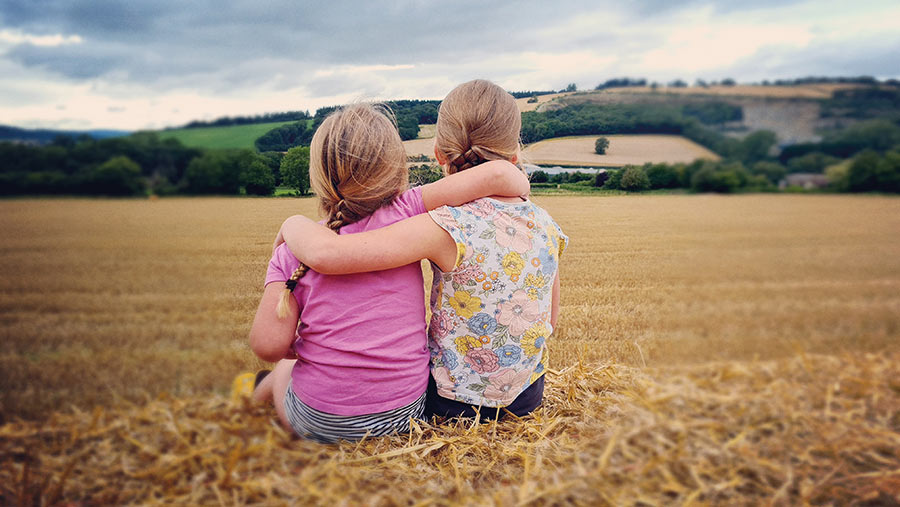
x=495, y=296
x=358, y=362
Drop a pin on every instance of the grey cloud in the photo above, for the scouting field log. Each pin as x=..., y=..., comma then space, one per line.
x=170, y=38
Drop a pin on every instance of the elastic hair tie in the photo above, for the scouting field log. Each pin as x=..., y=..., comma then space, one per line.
x=290, y=285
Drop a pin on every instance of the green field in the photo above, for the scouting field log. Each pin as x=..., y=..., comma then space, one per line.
x=232, y=136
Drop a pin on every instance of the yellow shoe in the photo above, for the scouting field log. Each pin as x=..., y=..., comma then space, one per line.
x=243, y=385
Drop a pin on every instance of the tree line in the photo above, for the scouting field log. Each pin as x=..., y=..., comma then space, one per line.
x=868, y=161
x=408, y=113
x=134, y=165
x=250, y=120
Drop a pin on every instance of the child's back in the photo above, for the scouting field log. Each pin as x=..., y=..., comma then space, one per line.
x=491, y=315
x=363, y=346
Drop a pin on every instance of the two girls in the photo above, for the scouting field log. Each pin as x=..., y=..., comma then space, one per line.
x=495, y=296
x=361, y=362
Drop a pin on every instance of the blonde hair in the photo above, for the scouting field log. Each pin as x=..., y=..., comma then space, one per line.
x=477, y=121
x=357, y=164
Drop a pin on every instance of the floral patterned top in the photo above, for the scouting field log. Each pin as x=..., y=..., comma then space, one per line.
x=491, y=314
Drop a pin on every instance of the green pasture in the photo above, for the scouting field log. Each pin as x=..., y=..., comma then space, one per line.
x=232, y=136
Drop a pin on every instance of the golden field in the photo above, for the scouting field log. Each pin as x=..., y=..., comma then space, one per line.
x=711, y=349
x=623, y=150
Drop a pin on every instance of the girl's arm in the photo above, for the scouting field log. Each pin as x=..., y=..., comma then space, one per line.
x=271, y=337
x=398, y=244
x=497, y=177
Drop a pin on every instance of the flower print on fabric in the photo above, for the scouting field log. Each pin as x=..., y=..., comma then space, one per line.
x=444, y=381
x=535, y=284
x=504, y=385
x=534, y=339
x=449, y=359
x=508, y=355
x=513, y=264
x=481, y=208
x=441, y=324
x=512, y=234
x=466, y=343
x=468, y=272
x=482, y=324
x=548, y=261
x=489, y=314
x=518, y=313
x=482, y=360
x=465, y=304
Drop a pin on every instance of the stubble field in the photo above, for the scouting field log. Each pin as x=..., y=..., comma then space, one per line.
x=623, y=150
x=710, y=348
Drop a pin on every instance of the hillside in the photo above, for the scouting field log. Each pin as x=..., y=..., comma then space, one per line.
x=232, y=136
x=623, y=150
x=794, y=113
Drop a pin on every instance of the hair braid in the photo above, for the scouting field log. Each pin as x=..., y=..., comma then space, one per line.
x=338, y=216
x=335, y=222
x=289, y=286
x=470, y=158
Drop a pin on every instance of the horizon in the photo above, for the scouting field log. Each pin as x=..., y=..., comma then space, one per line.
x=90, y=65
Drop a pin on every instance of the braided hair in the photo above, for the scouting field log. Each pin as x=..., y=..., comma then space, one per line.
x=478, y=121
x=357, y=164
x=334, y=222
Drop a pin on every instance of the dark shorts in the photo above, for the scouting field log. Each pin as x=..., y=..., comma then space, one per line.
x=525, y=403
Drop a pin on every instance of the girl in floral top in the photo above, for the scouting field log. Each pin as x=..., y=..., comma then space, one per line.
x=495, y=295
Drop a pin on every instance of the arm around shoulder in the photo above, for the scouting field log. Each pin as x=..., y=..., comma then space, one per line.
x=497, y=177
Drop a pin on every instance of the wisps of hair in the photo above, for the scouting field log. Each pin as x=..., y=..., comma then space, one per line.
x=357, y=164
x=477, y=121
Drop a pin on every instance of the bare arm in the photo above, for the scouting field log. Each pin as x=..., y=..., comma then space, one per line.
x=398, y=244
x=497, y=177
x=271, y=337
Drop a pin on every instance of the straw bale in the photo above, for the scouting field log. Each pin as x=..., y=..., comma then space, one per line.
x=808, y=429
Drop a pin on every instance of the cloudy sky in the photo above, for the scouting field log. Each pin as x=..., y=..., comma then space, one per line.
x=134, y=64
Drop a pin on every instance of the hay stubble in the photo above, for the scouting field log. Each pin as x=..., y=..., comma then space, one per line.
x=768, y=326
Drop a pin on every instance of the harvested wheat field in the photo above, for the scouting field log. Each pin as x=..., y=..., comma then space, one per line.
x=623, y=150
x=525, y=106
x=421, y=146
x=711, y=349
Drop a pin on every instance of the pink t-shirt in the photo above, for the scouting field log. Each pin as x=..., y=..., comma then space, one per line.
x=362, y=343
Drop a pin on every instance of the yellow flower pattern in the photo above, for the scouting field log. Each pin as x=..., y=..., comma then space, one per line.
x=513, y=264
x=466, y=343
x=497, y=299
x=465, y=304
x=534, y=338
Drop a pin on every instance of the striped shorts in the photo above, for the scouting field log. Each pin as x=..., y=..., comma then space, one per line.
x=326, y=428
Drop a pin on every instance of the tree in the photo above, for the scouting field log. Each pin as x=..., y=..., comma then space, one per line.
x=295, y=169
x=662, y=176
x=772, y=171
x=117, y=176
x=600, y=145
x=539, y=177
x=571, y=87
x=634, y=179
x=258, y=179
x=600, y=178
x=712, y=179
x=755, y=146
x=871, y=172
